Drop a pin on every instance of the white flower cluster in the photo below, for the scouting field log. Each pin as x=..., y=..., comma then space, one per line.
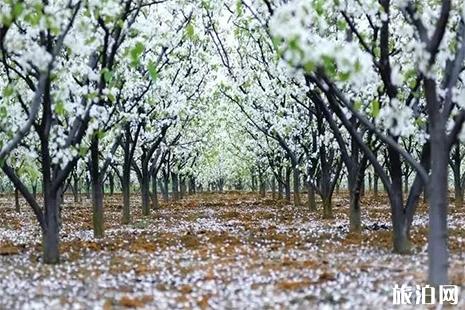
x=397, y=118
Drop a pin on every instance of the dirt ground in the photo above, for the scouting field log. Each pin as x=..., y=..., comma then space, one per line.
x=219, y=251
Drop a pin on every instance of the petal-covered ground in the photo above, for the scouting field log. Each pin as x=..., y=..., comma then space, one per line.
x=218, y=251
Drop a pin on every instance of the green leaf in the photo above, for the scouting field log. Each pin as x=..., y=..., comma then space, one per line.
x=18, y=9
x=239, y=8
x=82, y=151
x=309, y=67
x=190, y=31
x=60, y=108
x=8, y=91
x=344, y=76
x=358, y=105
x=136, y=52
x=329, y=65
x=318, y=6
x=3, y=112
x=375, y=107
x=341, y=24
x=100, y=134
x=153, y=72
x=107, y=75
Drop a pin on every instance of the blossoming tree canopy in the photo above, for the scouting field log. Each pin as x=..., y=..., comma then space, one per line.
x=294, y=100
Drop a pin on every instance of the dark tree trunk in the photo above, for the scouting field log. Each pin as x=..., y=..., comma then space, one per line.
x=75, y=188
x=145, y=189
x=456, y=162
x=97, y=190
x=296, y=181
x=155, y=204
x=34, y=189
x=51, y=236
x=111, y=180
x=362, y=186
x=280, y=183
x=326, y=194
x=287, y=184
x=401, y=242
x=438, y=202
x=375, y=185
x=370, y=183
x=17, y=207
x=262, y=188
x=175, y=186
x=191, y=185
x=354, y=192
x=166, y=182
x=125, y=188
x=182, y=187
x=254, y=182
x=273, y=187
x=311, y=197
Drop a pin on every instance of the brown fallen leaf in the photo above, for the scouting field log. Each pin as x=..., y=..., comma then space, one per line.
x=128, y=302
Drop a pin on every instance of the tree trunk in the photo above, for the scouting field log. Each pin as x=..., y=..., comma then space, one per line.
x=355, y=212
x=456, y=169
x=280, y=183
x=145, y=189
x=287, y=185
x=155, y=204
x=164, y=187
x=296, y=180
x=262, y=187
x=254, y=186
x=125, y=188
x=76, y=189
x=438, y=202
x=370, y=183
x=112, y=184
x=327, y=207
x=97, y=190
x=311, y=197
x=182, y=187
x=273, y=187
x=375, y=185
x=175, y=186
x=34, y=189
x=51, y=236
x=191, y=185
x=401, y=243
x=17, y=207
x=354, y=192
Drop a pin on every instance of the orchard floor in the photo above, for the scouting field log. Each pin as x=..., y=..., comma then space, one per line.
x=212, y=251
